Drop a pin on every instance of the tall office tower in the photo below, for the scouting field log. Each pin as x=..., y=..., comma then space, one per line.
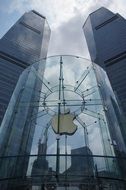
x=105, y=34
x=25, y=42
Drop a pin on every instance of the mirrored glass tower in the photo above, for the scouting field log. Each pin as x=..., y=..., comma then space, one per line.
x=105, y=36
x=25, y=42
x=61, y=131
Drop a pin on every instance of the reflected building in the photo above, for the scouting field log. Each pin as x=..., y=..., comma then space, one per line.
x=82, y=166
x=25, y=43
x=79, y=163
x=105, y=36
x=40, y=165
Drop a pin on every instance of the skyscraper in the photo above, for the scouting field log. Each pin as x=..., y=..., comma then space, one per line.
x=105, y=34
x=25, y=42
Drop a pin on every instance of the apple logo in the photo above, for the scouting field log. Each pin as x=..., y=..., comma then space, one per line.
x=66, y=125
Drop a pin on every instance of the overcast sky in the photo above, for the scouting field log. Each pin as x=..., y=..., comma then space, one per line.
x=65, y=17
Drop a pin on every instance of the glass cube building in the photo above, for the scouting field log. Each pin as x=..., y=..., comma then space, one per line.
x=62, y=131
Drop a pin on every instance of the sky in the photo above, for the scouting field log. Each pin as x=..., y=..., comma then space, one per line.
x=65, y=17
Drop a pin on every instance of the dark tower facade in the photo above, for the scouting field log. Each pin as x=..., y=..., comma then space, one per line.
x=105, y=34
x=25, y=43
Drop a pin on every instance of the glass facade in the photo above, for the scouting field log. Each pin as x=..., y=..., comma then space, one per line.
x=62, y=131
x=25, y=42
x=105, y=36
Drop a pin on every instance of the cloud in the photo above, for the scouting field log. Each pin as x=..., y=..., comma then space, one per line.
x=56, y=11
x=66, y=19
x=68, y=38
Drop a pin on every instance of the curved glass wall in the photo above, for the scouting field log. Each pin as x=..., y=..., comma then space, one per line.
x=61, y=131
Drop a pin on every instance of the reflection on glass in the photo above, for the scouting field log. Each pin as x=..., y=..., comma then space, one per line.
x=61, y=129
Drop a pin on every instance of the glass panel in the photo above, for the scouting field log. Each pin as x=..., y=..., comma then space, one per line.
x=37, y=155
